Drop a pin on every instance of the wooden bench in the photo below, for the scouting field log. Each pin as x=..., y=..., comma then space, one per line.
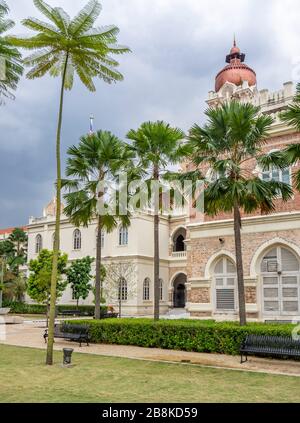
x=270, y=346
x=75, y=333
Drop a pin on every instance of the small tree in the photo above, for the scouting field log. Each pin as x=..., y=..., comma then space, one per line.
x=19, y=240
x=39, y=281
x=79, y=277
x=120, y=283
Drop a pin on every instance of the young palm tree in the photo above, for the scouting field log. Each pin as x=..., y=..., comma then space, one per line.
x=98, y=159
x=157, y=145
x=291, y=155
x=65, y=47
x=10, y=58
x=233, y=137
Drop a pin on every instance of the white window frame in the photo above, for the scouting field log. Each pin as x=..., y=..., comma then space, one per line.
x=102, y=238
x=77, y=240
x=146, y=289
x=38, y=243
x=123, y=290
x=280, y=286
x=225, y=286
x=123, y=236
x=274, y=169
x=161, y=289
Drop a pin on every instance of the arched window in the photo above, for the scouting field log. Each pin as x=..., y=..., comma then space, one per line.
x=77, y=240
x=179, y=240
x=225, y=282
x=123, y=290
x=161, y=289
x=276, y=174
x=38, y=243
x=123, y=236
x=146, y=290
x=281, y=282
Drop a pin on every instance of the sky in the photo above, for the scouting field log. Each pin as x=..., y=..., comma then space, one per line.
x=178, y=47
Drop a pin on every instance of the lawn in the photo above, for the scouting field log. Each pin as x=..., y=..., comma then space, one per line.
x=24, y=378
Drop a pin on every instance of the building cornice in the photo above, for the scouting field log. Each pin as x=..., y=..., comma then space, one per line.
x=247, y=221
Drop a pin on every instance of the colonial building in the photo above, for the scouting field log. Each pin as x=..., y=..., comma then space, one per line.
x=197, y=268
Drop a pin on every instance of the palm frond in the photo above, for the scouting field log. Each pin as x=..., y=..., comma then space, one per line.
x=86, y=18
x=40, y=26
x=87, y=49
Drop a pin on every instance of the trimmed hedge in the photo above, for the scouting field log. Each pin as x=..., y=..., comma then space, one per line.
x=23, y=308
x=184, y=335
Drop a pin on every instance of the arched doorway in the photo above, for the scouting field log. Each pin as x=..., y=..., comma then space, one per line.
x=280, y=282
x=179, y=295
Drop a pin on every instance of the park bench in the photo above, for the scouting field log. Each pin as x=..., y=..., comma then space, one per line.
x=76, y=333
x=270, y=346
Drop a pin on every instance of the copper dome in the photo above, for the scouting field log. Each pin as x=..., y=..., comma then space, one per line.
x=236, y=71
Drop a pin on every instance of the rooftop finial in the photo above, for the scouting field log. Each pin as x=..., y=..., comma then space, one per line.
x=234, y=40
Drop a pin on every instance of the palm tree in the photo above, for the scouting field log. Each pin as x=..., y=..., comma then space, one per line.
x=65, y=47
x=291, y=155
x=98, y=159
x=10, y=58
x=157, y=145
x=234, y=136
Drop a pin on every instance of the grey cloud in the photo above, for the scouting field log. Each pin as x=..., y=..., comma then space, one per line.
x=178, y=47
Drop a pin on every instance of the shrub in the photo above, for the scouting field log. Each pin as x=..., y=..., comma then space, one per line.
x=185, y=335
x=23, y=308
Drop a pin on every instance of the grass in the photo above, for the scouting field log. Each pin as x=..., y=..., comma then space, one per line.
x=25, y=378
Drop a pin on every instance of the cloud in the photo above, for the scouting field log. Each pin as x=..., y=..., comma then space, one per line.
x=178, y=47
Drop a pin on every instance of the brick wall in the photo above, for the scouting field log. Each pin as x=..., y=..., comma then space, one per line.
x=200, y=250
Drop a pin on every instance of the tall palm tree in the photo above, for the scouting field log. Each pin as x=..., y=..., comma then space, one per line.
x=157, y=145
x=234, y=136
x=97, y=159
x=65, y=47
x=291, y=155
x=10, y=58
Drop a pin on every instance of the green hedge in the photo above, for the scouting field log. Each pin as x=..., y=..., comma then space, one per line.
x=184, y=335
x=23, y=308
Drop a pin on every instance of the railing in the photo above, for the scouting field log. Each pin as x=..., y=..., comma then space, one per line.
x=179, y=254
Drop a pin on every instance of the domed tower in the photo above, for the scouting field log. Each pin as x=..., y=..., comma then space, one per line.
x=235, y=80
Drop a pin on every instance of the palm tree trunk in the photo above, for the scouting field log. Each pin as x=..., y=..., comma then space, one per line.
x=49, y=358
x=156, y=250
x=98, y=271
x=156, y=267
x=239, y=263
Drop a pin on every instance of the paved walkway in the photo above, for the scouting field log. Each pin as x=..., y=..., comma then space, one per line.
x=30, y=334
